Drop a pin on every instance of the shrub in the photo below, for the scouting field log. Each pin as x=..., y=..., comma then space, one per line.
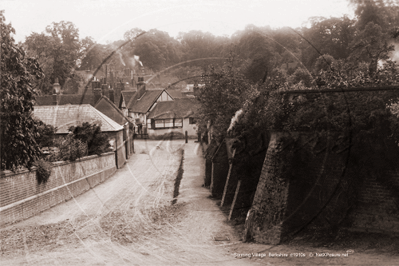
x=43, y=171
x=97, y=142
x=70, y=149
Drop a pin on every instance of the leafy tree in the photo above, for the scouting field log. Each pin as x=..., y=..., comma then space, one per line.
x=46, y=134
x=380, y=12
x=18, y=128
x=197, y=44
x=91, y=54
x=371, y=45
x=155, y=48
x=302, y=75
x=224, y=93
x=58, y=50
x=331, y=36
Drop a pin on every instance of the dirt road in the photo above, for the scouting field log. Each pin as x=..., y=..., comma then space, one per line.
x=130, y=219
x=135, y=218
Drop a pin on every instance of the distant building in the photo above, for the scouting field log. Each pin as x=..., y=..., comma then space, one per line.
x=177, y=116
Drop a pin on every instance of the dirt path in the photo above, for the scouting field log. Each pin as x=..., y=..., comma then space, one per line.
x=129, y=219
x=134, y=219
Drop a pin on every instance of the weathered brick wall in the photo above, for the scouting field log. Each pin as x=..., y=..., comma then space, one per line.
x=22, y=197
x=263, y=223
x=208, y=172
x=208, y=152
x=322, y=189
x=220, y=168
x=250, y=179
x=378, y=206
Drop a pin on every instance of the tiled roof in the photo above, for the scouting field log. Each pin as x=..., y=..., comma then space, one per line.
x=128, y=97
x=64, y=116
x=105, y=106
x=143, y=104
x=175, y=93
x=66, y=99
x=179, y=108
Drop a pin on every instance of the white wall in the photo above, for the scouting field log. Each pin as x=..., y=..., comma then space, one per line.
x=191, y=129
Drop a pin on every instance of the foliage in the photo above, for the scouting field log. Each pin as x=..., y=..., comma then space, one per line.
x=57, y=50
x=156, y=49
x=70, y=149
x=96, y=141
x=371, y=45
x=302, y=75
x=18, y=129
x=43, y=171
x=324, y=62
x=46, y=134
x=223, y=95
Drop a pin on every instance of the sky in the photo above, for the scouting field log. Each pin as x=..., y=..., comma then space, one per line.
x=107, y=20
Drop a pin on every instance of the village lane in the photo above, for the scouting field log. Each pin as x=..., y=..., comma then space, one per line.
x=132, y=218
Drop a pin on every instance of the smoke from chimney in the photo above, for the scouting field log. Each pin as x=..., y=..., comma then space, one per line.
x=395, y=54
x=135, y=59
x=121, y=59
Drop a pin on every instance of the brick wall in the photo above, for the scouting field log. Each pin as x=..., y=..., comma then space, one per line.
x=22, y=197
x=298, y=189
x=263, y=223
x=220, y=168
x=378, y=206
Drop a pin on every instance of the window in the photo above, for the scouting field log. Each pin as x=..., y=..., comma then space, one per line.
x=166, y=123
x=159, y=124
x=169, y=122
x=178, y=122
x=192, y=120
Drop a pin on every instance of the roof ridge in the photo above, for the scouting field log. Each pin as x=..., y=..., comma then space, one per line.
x=113, y=105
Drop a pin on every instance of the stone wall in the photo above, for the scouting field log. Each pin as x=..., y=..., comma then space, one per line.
x=22, y=197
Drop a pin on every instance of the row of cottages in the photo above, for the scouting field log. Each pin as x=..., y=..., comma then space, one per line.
x=155, y=112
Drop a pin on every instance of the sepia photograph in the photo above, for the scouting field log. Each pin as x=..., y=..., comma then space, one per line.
x=182, y=132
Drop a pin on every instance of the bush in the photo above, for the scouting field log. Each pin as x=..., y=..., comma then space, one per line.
x=43, y=171
x=70, y=149
x=97, y=142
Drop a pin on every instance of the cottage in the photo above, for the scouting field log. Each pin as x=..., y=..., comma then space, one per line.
x=64, y=116
x=178, y=116
x=140, y=103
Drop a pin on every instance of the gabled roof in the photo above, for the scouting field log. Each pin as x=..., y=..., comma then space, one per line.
x=143, y=104
x=64, y=116
x=127, y=97
x=66, y=99
x=179, y=108
x=107, y=107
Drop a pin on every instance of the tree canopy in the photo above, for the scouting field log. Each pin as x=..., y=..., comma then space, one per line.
x=18, y=129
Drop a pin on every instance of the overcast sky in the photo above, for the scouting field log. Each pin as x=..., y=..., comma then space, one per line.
x=108, y=20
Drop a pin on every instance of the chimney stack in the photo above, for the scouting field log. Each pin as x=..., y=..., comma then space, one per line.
x=119, y=88
x=111, y=95
x=104, y=89
x=97, y=94
x=140, y=87
x=95, y=84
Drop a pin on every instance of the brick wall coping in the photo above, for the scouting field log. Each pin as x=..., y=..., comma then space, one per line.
x=8, y=173
x=51, y=190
